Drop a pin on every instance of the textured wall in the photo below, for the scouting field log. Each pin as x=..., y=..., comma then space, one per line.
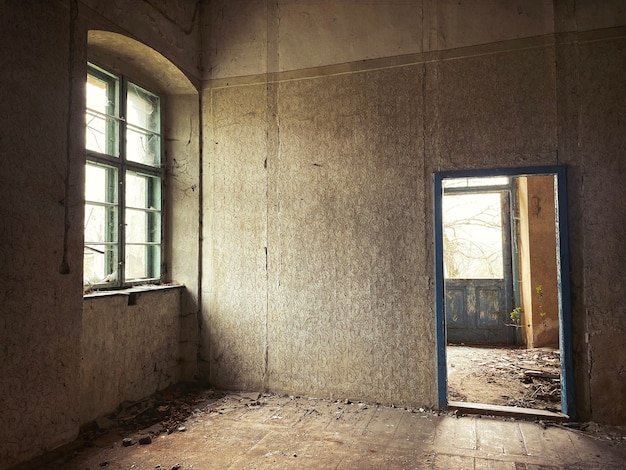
x=602, y=146
x=346, y=239
x=340, y=212
x=41, y=205
x=235, y=273
x=245, y=34
x=327, y=165
x=183, y=192
x=492, y=110
x=128, y=351
x=40, y=234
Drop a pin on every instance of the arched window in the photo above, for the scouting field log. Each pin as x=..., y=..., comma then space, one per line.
x=134, y=97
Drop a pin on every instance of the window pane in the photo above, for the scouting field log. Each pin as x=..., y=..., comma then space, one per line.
x=100, y=224
x=143, y=109
x=143, y=191
x=100, y=253
x=142, y=147
x=143, y=226
x=99, y=264
x=102, y=130
x=472, y=233
x=475, y=182
x=143, y=262
x=100, y=183
x=143, y=126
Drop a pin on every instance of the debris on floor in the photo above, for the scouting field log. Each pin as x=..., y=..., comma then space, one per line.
x=528, y=378
x=163, y=412
x=187, y=426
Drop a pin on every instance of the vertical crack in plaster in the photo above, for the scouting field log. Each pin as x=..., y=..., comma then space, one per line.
x=64, y=267
x=271, y=156
x=200, y=265
x=581, y=162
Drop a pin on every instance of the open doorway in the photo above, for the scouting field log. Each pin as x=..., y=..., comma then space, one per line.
x=502, y=289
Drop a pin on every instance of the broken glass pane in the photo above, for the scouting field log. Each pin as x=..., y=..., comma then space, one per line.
x=142, y=261
x=102, y=123
x=143, y=126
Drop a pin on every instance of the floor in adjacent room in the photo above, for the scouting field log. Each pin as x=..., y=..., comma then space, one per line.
x=196, y=428
x=509, y=376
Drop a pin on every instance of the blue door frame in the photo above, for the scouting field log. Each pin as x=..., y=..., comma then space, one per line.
x=563, y=276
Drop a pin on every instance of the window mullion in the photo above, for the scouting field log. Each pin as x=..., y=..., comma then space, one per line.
x=122, y=185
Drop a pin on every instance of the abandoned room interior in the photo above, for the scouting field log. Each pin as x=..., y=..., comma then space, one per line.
x=340, y=199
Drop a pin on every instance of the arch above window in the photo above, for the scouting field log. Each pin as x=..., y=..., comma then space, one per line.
x=143, y=66
x=133, y=58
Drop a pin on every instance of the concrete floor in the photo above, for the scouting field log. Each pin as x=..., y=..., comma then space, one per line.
x=239, y=431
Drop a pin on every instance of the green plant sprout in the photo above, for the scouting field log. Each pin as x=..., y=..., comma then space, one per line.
x=542, y=313
x=516, y=315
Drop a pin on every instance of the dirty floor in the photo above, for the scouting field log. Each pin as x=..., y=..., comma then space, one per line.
x=211, y=430
x=510, y=376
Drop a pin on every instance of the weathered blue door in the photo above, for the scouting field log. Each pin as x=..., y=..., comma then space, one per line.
x=477, y=264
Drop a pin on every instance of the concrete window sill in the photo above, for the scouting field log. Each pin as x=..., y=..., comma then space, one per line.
x=132, y=292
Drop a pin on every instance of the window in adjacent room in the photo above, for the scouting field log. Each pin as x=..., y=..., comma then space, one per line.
x=123, y=182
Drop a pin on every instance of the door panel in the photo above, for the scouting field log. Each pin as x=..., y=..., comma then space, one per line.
x=456, y=306
x=477, y=312
x=490, y=305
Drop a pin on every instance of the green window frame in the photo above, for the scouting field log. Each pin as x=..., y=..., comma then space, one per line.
x=123, y=182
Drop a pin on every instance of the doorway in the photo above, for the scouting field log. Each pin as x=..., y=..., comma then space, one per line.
x=477, y=256
x=489, y=253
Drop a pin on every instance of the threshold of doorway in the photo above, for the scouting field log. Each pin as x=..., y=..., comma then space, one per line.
x=510, y=411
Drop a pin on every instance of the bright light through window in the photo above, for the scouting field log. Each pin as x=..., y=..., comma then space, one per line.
x=473, y=228
x=122, y=189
